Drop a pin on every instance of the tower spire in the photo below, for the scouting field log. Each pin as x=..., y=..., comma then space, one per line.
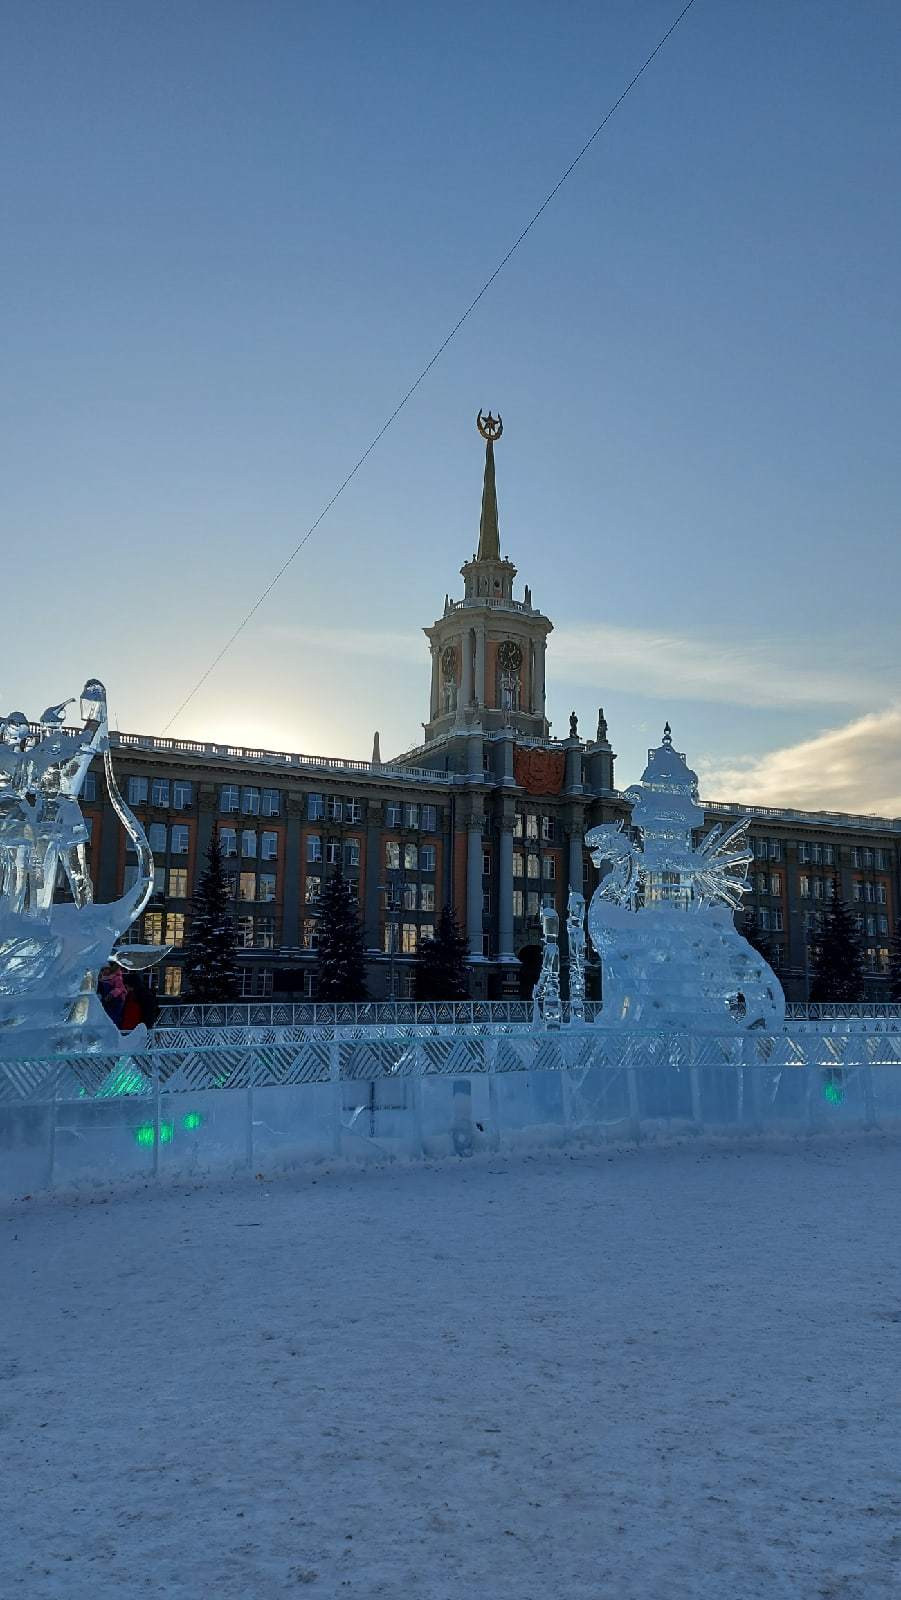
x=490, y=428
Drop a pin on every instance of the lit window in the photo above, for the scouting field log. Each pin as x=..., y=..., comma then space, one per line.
x=517, y=902
x=427, y=898
x=392, y=815
x=314, y=847
x=228, y=840
x=534, y=866
x=392, y=854
x=332, y=852
x=244, y=933
x=156, y=836
x=883, y=958
x=804, y=887
x=270, y=803
x=137, y=791
x=175, y=927
x=182, y=797
x=315, y=807
x=250, y=802
x=153, y=927
x=409, y=899
x=248, y=843
x=178, y=883
x=313, y=889
x=427, y=858
x=334, y=808
x=267, y=886
x=518, y=825
x=269, y=846
x=429, y=819
x=531, y=826
x=352, y=853
x=310, y=934
x=172, y=982
x=519, y=864
x=408, y=938
x=159, y=792
x=411, y=816
x=228, y=797
x=181, y=837
x=89, y=789
x=411, y=857
x=247, y=886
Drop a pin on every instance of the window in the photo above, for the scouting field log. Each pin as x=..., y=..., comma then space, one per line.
x=518, y=826
x=777, y=953
x=411, y=857
x=519, y=864
x=248, y=843
x=486, y=945
x=332, y=852
x=269, y=846
x=871, y=927
x=256, y=983
x=880, y=894
x=267, y=886
x=549, y=867
x=153, y=927
x=250, y=802
x=547, y=828
x=314, y=847
x=392, y=815
x=355, y=811
x=775, y=850
x=883, y=924
x=429, y=819
x=178, y=883
x=130, y=877
x=137, y=791
x=392, y=855
x=334, y=808
x=228, y=797
x=172, y=982
x=817, y=854
x=486, y=900
x=271, y=803
x=517, y=902
x=778, y=924
x=881, y=855
x=409, y=900
x=390, y=938
x=310, y=934
x=312, y=890
x=247, y=886
x=180, y=839
x=159, y=880
x=883, y=958
x=818, y=888
x=531, y=826
x=411, y=816
x=828, y=855
x=427, y=899
x=156, y=836
x=352, y=852
x=760, y=882
x=182, y=797
x=89, y=789
x=409, y=935
x=427, y=858
x=804, y=887
x=231, y=884
x=175, y=927
x=858, y=923
x=533, y=904
x=868, y=858
x=244, y=933
x=763, y=919
x=159, y=792
x=534, y=867
x=858, y=889
x=315, y=808
x=870, y=893
x=228, y=839
x=264, y=933
x=427, y=931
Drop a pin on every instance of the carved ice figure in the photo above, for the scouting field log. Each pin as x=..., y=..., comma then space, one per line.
x=662, y=917
x=546, y=994
x=575, y=935
x=50, y=952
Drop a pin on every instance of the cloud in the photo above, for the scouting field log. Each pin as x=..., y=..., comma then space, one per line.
x=856, y=767
x=705, y=667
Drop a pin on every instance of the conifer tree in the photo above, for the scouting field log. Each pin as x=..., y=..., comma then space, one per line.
x=894, y=973
x=837, y=969
x=341, y=966
x=441, y=970
x=210, y=967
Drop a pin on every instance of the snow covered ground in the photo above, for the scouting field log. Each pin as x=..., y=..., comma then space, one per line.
x=659, y=1375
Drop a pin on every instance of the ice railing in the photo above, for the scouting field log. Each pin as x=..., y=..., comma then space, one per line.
x=447, y=1013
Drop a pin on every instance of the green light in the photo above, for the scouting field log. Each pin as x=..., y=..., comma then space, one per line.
x=834, y=1093
x=191, y=1120
x=167, y=1129
x=144, y=1134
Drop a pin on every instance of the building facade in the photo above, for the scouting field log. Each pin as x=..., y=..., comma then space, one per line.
x=488, y=814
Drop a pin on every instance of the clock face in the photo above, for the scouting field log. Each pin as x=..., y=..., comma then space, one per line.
x=449, y=662
x=509, y=656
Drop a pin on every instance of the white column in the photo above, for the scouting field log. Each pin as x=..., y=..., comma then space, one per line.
x=480, y=666
x=540, y=649
x=466, y=648
x=505, y=891
x=434, y=700
x=474, y=888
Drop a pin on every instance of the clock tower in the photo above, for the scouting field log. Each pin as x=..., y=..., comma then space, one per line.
x=488, y=649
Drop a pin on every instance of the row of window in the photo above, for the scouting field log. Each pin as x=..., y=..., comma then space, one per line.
x=251, y=885
x=424, y=856
x=179, y=837
x=771, y=884
x=333, y=808
x=268, y=843
x=252, y=802
x=871, y=925
x=816, y=854
x=820, y=888
x=424, y=818
x=530, y=826
x=533, y=866
x=333, y=851
x=873, y=893
x=159, y=790
x=770, y=920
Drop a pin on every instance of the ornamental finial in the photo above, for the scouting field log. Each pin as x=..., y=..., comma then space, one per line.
x=667, y=734
x=489, y=427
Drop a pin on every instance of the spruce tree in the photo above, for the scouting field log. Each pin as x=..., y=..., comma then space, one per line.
x=341, y=967
x=210, y=966
x=837, y=970
x=441, y=970
x=894, y=971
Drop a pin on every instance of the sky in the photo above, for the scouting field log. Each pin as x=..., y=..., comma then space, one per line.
x=232, y=236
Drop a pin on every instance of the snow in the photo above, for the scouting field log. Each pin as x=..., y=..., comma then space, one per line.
x=669, y=1374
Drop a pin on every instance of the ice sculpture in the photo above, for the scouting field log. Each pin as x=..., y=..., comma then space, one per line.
x=662, y=917
x=546, y=993
x=575, y=938
x=51, y=951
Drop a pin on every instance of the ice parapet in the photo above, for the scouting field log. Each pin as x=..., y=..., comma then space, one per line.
x=51, y=951
x=661, y=919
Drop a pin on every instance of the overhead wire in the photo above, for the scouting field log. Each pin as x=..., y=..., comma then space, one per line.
x=263, y=597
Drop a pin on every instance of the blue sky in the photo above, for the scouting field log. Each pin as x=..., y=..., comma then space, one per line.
x=232, y=236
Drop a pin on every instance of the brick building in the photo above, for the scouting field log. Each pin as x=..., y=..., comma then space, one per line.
x=489, y=813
